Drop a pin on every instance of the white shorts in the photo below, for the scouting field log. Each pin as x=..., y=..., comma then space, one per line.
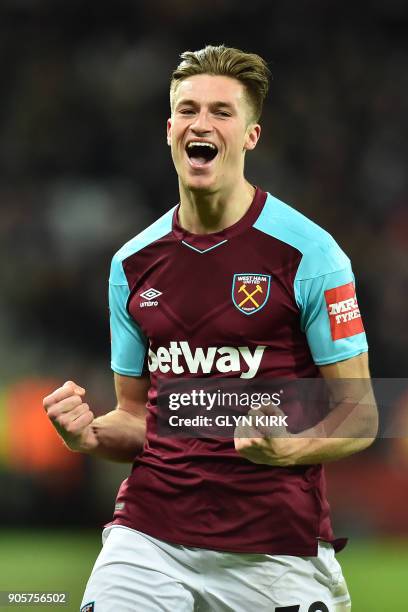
x=135, y=572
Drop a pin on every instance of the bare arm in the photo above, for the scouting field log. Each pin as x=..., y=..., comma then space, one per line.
x=350, y=427
x=352, y=424
x=118, y=435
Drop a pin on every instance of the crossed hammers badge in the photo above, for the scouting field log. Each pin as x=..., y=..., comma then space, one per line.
x=250, y=292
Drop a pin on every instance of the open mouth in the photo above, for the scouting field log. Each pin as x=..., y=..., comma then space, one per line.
x=201, y=153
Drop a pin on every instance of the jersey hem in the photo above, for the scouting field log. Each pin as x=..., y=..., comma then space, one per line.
x=125, y=372
x=341, y=357
x=299, y=551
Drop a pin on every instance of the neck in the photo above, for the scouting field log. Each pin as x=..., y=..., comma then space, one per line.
x=206, y=213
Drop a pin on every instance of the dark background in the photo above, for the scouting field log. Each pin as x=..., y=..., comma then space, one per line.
x=84, y=166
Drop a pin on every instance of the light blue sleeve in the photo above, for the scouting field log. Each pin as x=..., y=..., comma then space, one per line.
x=334, y=270
x=128, y=343
x=323, y=266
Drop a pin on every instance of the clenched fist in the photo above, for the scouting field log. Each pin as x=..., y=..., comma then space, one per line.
x=71, y=417
x=267, y=441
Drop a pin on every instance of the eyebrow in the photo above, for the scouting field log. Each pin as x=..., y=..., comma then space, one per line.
x=215, y=104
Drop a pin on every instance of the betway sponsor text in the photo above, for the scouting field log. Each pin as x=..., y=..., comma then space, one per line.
x=179, y=358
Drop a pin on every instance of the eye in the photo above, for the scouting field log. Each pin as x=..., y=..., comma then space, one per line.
x=222, y=114
x=186, y=111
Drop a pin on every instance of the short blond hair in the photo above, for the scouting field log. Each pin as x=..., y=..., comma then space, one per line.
x=248, y=68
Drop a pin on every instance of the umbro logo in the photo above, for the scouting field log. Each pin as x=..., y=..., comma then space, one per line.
x=150, y=295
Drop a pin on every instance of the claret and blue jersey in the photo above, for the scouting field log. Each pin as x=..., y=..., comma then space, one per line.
x=270, y=297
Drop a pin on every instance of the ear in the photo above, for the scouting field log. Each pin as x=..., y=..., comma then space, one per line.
x=252, y=136
x=169, y=132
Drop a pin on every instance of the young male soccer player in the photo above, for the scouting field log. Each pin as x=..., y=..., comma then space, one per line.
x=230, y=283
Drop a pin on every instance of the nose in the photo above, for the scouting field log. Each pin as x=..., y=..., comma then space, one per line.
x=201, y=125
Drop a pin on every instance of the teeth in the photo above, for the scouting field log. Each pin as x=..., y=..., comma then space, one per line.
x=201, y=144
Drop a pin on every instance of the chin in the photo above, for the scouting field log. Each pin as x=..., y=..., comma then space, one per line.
x=201, y=185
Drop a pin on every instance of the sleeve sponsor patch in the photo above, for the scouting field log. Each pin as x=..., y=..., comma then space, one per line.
x=344, y=313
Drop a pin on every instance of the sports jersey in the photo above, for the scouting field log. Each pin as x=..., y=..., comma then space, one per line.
x=271, y=296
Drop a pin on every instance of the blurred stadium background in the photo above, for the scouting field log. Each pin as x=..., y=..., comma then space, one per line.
x=84, y=166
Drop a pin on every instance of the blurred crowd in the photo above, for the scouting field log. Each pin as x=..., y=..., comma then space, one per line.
x=84, y=163
x=85, y=166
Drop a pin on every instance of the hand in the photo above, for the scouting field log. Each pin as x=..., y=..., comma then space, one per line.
x=71, y=417
x=266, y=444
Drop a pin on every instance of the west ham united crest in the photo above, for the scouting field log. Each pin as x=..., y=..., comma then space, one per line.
x=250, y=292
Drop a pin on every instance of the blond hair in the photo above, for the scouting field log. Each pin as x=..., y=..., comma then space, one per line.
x=248, y=68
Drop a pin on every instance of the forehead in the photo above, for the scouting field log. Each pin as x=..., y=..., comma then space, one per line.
x=206, y=88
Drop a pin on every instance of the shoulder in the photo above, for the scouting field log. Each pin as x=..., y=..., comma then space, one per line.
x=320, y=252
x=155, y=231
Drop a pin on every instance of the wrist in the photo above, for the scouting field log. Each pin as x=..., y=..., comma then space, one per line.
x=87, y=442
x=301, y=448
